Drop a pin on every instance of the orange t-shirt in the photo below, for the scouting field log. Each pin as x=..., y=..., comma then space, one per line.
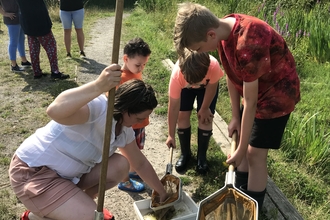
x=255, y=51
x=128, y=75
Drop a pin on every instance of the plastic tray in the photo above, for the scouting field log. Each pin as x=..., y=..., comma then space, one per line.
x=186, y=208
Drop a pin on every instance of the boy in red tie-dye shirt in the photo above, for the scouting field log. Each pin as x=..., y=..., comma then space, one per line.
x=260, y=69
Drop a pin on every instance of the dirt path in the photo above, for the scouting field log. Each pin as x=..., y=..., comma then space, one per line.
x=98, y=52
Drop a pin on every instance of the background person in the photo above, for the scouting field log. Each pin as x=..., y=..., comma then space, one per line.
x=73, y=11
x=9, y=9
x=36, y=23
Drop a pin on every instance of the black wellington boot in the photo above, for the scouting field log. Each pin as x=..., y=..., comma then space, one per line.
x=203, y=143
x=258, y=196
x=184, y=138
x=241, y=178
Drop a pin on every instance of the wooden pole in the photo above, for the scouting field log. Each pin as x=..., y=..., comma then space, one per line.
x=108, y=125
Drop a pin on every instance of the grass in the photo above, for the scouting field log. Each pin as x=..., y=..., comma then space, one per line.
x=303, y=179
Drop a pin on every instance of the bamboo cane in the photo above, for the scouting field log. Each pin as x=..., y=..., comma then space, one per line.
x=108, y=126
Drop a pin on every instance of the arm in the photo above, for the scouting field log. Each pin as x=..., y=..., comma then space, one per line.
x=174, y=102
x=172, y=118
x=70, y=107
x=204, y=114
x=235, y=97
x=250, y=92
x=143, y=167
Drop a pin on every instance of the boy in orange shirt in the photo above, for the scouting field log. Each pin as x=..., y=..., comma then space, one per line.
x=136, y=56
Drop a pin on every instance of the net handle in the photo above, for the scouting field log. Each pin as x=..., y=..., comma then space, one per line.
x=171, y=155
x=233, y=148
x=110, y=109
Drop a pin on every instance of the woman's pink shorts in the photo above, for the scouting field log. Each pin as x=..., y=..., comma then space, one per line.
x=40, y=189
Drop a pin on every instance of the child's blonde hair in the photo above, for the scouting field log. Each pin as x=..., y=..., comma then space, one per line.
x=194, y=66
x=192, y=23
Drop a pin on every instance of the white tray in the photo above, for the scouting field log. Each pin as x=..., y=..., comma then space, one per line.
x=186, y=208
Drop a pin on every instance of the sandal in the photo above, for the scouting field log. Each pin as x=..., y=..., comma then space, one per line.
x=135, y=186
x=108, y=215
x=25, y=215
x=134, y=175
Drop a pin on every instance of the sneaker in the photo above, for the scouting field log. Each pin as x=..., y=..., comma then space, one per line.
x=16, y=69
x=59, y=75
x=68, y=56
x=26, y=64
x=82, y=54
x=38, y=76
x=131, y=186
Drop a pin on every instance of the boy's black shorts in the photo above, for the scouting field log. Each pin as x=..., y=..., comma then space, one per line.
x=268, y=133
x=188, y=97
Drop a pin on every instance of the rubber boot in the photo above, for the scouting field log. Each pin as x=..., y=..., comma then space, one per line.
x=258, y=196
x=203, y=143
x=184, y=138
x=241, y=178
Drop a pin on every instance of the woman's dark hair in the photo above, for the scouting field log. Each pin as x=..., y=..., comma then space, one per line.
x=133, y=96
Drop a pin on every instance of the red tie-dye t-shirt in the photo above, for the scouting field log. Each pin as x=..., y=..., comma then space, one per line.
x=255, y=51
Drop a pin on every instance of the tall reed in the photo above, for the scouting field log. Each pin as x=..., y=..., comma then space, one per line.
x=307, y=141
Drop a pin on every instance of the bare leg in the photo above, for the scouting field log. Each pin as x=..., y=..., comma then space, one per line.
x=118, y=168
x=184, y=119
x=13, y=63
x=67, y=40
x=257, y=159
x=82, y=205
x=244, y=166
x=206, y=127
x=80, y=38
x=34, y=217
x=23, y=59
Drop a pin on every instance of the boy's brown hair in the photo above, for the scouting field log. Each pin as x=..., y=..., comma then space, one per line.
x=194, y=66
x=192, y=23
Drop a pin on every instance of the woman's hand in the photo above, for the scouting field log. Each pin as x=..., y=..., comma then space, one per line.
x=109, y=78
x=163, y=197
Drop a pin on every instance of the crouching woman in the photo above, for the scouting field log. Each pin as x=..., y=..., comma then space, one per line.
x=55, y=172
